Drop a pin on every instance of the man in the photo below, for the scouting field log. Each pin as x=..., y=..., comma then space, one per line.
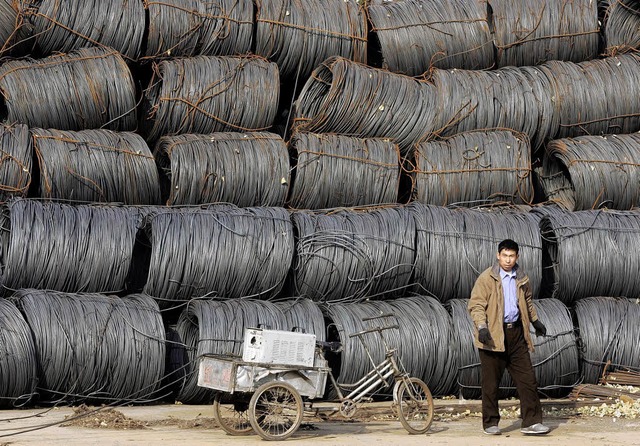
x=502, y=308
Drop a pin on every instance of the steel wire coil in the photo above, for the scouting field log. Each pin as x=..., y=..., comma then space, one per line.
x=299, y=35
x=86, y=89
x=233, y=252
x=587, y=101
x=12, y=30
x=206, y=94
x=453, y=246
x=96, y=165
x=92, y=347
x=415, y=35
x=17, y=358
x=555, y=358
x=424, y=339
x=16, y=159
x=578, y=261
x=185, y=28
x=210, y=327
x=533, y=32
x=608, y=335
x=60, y=26
x=620, y=26
x=52, y=246
x=345, y=97
x=303, y=315
x=590, y=172
x=246, y=169
x=479, y=167
x=337, y=171
x=350, y=255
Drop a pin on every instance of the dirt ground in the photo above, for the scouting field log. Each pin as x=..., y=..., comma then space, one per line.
x=456, y=423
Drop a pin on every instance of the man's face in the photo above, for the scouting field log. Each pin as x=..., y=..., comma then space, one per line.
x=507, y=259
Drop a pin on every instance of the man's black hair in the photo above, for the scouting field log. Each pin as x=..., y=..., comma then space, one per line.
x=508, y=244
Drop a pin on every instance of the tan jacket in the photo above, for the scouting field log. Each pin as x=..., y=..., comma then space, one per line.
x=486, y=307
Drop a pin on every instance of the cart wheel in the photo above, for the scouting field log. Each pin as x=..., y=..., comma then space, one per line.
x=233, y=417
x=415, y=405
x=275, y=410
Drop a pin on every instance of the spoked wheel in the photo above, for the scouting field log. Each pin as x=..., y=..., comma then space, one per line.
x=233, y=417
x=275, y=410
x=415, y=405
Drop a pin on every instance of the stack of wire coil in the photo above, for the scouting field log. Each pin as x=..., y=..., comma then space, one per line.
x=16, y=159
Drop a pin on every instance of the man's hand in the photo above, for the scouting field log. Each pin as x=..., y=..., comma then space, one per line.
x=541, y=330
x=484, y=336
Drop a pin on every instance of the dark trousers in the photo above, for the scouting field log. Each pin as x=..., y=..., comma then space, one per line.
x=517, y=361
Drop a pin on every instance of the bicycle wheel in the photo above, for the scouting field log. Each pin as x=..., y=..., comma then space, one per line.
x=415, y=405
x=275, y=410
x=233, y=417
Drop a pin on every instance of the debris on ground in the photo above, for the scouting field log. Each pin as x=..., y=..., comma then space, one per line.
x=101, y=418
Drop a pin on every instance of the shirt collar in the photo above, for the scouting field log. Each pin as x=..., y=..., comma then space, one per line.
x=509, y=274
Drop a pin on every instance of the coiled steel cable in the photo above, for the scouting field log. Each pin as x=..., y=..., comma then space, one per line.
x=96, y=165
x=230, y=253
x=589, y=172
x=555, y=357
x=246, y=169
x=12, y=30
x=335, y=171
x=533, y=32
x=424, y=339
x=474, y=167
x=16, y=159
x=453, y=246
x=608, y=334
x=17, y=358
x=84, y=248
x=95, y=347
x=415, y=35
x=579, y=248
x=85, y=89
x=60, y=26
x=206, y=94
x=304, y=315
x=298, y=35
x=350, y=255
x=345, y=97
x=620, y=25
x=184, y=28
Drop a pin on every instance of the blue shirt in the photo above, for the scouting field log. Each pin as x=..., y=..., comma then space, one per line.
x=511, y=312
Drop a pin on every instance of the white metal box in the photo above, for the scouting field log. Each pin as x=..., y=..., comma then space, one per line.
x=278, y=347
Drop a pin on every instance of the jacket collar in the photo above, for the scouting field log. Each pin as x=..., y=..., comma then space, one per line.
x=495, y=271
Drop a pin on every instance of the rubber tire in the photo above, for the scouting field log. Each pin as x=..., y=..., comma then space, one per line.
x=405, y=401
x=226, y=418
x=270, y=393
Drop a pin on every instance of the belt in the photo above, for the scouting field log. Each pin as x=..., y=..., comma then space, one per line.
x=512, y=324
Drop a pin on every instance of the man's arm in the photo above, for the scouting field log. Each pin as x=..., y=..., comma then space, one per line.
x=478, y=302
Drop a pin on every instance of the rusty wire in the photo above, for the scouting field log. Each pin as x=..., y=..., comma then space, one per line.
x=345, y=97
x=184, y=28
x=246, y=169
x=81, y=248
x=16, y=159
x=533, y=32
x=472, y=168
x=17, y=358
x=95, y=347
x=586, y=253
x=453, y=246
x=227, y=252
x=341, y=171
x=555, y=358
x=96, y=165
x=415, y=35
x=347, y=255
x=299, y=35
x=12, y=29
x=206, y=94
x=60, y=26
x=621, y=23
x=608, y=331
x=589, y=172
x=86, y=89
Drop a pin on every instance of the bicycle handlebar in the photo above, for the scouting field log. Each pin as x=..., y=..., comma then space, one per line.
x=365, y=319
x=372, y=330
